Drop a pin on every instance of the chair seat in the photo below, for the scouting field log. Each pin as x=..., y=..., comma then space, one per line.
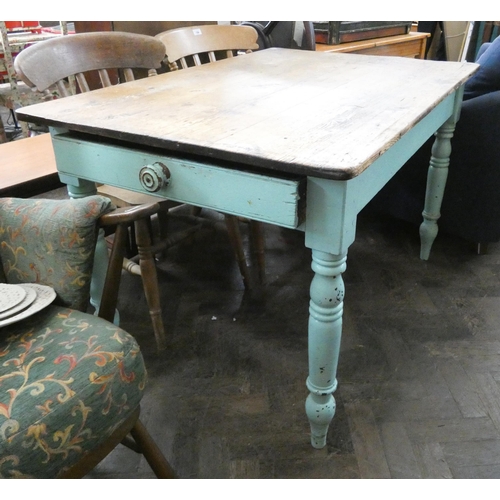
x=67, y=381
x=124, y=197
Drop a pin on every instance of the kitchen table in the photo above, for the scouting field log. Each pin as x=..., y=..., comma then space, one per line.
x=295, y=138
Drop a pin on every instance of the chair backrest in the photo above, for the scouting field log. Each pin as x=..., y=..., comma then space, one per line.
x=195, y=45
x=53, y=61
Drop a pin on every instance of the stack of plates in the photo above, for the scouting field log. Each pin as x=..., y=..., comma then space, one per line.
x=18, y=302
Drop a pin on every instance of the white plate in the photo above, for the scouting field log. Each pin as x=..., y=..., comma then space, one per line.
x=27, y=301
x=10, y=296
x=44, y=296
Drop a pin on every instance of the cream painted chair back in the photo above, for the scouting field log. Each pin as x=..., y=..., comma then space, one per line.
x=195, y=45
x=53, y=61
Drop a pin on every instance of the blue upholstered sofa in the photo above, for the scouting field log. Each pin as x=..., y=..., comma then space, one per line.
x=471, y=204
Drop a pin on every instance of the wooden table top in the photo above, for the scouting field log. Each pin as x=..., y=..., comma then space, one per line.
x=324, y=114
x=27, y=166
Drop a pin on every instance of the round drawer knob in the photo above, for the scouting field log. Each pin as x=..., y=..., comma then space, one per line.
x=154, y=177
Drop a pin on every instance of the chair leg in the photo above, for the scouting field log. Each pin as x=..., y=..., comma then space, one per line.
x=151, y=452
x=142, y=443
x=481, y=248
x=237, y=244
x=150, y=280
x=195, y=210
x=109, y=297
x=92, y=458
x=258, y=246
x=163, y=222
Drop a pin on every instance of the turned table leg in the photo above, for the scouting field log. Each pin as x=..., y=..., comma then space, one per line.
x=436, y=182
x=436, y=178
x=325, y=330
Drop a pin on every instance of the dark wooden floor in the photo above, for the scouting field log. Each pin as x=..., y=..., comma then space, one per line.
x=419, y=373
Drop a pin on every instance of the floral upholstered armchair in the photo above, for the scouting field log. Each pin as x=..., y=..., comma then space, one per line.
x=70, y=382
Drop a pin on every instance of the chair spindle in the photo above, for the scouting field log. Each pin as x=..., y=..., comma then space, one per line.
x=104, y=76
x=129, y=75
x=82, y=82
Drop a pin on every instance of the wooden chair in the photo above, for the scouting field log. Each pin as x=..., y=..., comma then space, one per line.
x=188, y=46
x=67, y=63
x=196, y=45
x=70, y=382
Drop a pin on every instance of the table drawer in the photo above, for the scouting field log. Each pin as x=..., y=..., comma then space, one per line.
x=268, y=198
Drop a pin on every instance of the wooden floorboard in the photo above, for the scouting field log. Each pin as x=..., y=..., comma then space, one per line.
x=419, y=373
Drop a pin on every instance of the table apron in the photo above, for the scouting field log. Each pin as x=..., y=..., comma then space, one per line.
x=275, y=200
x=333, y=206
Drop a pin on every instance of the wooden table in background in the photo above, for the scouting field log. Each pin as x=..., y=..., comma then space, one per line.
x=28, y=167
x=409, y=45
x=296, y=138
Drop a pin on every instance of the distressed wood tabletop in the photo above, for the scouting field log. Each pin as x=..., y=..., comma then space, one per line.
x=323, y=114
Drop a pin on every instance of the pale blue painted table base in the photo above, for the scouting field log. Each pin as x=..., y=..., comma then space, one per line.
x=330, y=223
x=436, y=182
x=325, y=331
x=329, y=237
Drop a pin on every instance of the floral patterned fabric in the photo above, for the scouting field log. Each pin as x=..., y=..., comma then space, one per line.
x=51, y=242
x=67, y=380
